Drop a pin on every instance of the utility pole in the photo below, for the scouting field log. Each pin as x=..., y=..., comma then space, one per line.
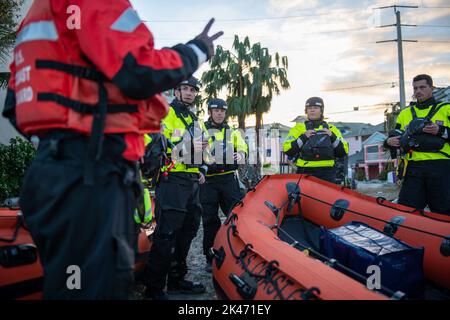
x=399, y=40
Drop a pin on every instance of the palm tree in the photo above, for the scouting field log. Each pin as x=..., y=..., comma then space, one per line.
x=9, y=14
x=230, y=71
x=267, y=80
x=250, y=76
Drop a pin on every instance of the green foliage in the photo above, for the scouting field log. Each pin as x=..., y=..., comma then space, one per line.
x=390, y=117
x=390, y=167
x=9, y=15
x=249, y=75
x=15, y=159
x=360, y=175
x=382, y=176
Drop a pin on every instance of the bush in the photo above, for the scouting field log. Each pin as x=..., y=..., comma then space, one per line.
x=15, y=159
x=390, y=167
x=382, y=176
x=360, y=175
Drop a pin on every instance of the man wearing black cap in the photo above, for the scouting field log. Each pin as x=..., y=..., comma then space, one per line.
x=315, y=144
x=177, y=207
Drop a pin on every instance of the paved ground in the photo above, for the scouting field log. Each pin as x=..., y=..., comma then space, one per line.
x=376, y=189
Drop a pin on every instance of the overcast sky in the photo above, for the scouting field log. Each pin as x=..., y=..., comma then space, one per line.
x=329, y=44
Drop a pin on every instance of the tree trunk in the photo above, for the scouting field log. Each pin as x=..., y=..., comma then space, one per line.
x=241, y=121
x=257, y=168
x=257, y=128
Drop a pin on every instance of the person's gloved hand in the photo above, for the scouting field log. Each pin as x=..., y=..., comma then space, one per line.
x=205, y=42
x=202, y=174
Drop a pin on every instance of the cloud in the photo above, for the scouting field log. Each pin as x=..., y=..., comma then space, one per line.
x=289, y=5
x=330, y=44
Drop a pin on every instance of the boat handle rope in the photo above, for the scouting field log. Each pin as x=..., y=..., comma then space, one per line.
x=373, y=218
x=381, y=200
x=270, y=268
x=445, y=238
x=19, y=224
x=333, y=263
x=329, y=261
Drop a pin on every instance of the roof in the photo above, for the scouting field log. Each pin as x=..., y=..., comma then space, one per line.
x=376, y=138
x=358, y=157
x=442, y=94
x=299, y=119
x=354, y=129
x=278, y=126
x=372, y=129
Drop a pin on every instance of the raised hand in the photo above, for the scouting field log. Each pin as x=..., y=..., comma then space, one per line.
x=207, y=42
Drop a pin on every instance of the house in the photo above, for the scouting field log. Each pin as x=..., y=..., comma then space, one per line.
x=376, y=159
x=356, y=133
x=442, y=94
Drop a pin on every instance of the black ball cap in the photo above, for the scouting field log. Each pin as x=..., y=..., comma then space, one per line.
x=315, y=102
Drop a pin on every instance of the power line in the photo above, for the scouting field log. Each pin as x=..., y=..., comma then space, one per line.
x=277, y=37
x=393, y=84
x=374, y=107
x=399, y=41
x=256, y=18
x=294, y=16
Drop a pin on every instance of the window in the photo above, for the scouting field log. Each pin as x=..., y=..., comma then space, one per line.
x=372, y=149
x=269, y=153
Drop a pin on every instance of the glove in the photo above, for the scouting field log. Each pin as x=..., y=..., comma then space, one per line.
x=443, y=132
x=203, y=169
x=303, y=138
x=333, y=137
x=205, y=42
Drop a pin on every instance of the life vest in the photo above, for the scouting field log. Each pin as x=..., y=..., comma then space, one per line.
x=182, y=126
x=318, y=147
x=223, y=158
x=58, y=88
x=154, y=156
x=143, y=214
x=414, y=139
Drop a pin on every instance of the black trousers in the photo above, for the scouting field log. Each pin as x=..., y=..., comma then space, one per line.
x=218, y=191
x=178, y=213
x=324, y=173
x=427, y=183
x=82, y=228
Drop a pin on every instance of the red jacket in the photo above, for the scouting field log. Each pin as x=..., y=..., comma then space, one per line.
x=59, y=71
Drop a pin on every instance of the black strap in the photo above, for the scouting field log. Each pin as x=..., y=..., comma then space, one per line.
x=94, y=150
x=84, y=107
x=309, y=125
x=189, y=127
x=444, y=153
x=434, y=109
x=77, y=71
x=99, y=111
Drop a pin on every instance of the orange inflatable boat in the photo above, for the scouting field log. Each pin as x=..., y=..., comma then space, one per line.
x=268, y=247
x=21, y=275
